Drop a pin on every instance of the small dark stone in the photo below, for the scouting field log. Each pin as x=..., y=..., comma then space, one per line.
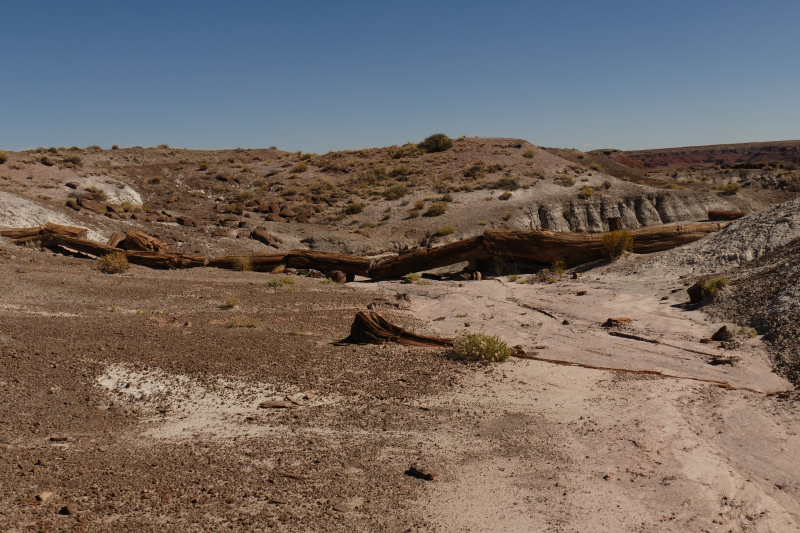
x=422, y=471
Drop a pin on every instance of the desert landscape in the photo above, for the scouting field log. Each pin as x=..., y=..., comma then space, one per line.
x=453, y=335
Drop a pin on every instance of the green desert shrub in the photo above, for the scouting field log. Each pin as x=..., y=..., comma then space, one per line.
x=480, y=347
x=445, y=230
x=586, y=192
x=711, y=286
x=115, y=147
x=438, y=142
x=280, y=282
x=617, y=242
x=411, y=278
x=114, y=263
x=558, y=267
x=74, y=159
x=231, y=301
x=436, y=209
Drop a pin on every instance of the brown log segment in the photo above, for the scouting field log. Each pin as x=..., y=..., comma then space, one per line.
x=21, y=233
x=47, y=229
x=136, y=240
x=58, y=229
x=148, y=259
x=115, y=239
x=725, y=215
x=371, y=328
x=327, y=261
x=260, y=262
x=429, y=258
x=264, y=237
x=577, y=248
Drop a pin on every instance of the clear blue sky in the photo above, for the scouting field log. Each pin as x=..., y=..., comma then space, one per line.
x=318, y=76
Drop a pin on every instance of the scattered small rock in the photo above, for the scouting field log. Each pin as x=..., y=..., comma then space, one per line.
x=278, y=500
x=722, y=334
x=565, y=322
x=580, y=293
x=277, y=404
x=342, y=508
x=422, y=471
x=45, y=496
x=618, y=321
x=69, y=509
x=59, y=439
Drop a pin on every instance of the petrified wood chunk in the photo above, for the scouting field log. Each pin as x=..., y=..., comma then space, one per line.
x=371, y=328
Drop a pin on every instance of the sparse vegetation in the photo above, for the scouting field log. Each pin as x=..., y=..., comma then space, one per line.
x=586, y=192
x=558, y=268
x=411, y=278
x=436, y=209
x=115, y=263
x=480, y=347
x=617, y=242
x=353, y=208
x=396, y=192
x=243, y=264
x=731, y=188
x=231, y=301
x=596, y=167
x=3, y=158
x=302, y=166
x=74, y=159
x=606, y=184
x=242, y=322
x=279, y=269
x=245, y=196
x=564, y=181
x=419, y=204
x=445, y=230
x=413, y=213
x=280, y=282
x=203, y=166
x=115, y=147
x=505, y=196
x=713, y=285
x=438, y=142
x=530, y=153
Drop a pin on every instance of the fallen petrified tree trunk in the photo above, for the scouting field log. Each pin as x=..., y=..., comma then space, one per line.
x=577, y=248
x=260, y=263
x=725, y=215
x=328, y=261
x=429, y=258
x=148, y=259
x=136, y=240
x=371, y=328
x=47, y=229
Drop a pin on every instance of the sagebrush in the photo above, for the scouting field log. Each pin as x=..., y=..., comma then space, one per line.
x=114, y=263
x=481, y=347
x=616, y=242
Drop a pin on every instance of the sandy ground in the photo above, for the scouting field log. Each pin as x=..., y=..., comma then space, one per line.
x=159, y=402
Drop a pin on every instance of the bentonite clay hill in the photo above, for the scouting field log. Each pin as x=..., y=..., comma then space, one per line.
x=210, y=399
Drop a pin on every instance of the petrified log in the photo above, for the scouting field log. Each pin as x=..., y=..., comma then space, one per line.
x=115, y=239
x=371, y=328
x=262, y=236
x=327, y=261
x=92, y=205
x=47, y=229
x=725, y=215
x=144, y=258
x=429, y=258
x=577, y=248
x=138, y=241
x=260, y=262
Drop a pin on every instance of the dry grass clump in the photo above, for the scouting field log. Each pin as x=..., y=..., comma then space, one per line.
x=480, y=347
x=436, y=209
x=596, y=167
x=617, y=242
x=114, y=263
x=115, y=147
x=559, y=267
x=242, y=322
x=529, y=153
x=279, y=269
x=586, y=192
x=438, y=142
x=564, y=181
x=396, y=192
x=353, y=208
x=3, y=158
x=243, y=264
x=203, y=166
x=445, y=230
x=74, y=159
x=731, y=188
x=280, y=282
x=245, y=196
x=606, y=184
x=413, y=213
x=231, y=301
x=130, y=207
x=302, y=166
x=713, y=285
x=98, y=193
x=505, y=196
x=411, y=278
